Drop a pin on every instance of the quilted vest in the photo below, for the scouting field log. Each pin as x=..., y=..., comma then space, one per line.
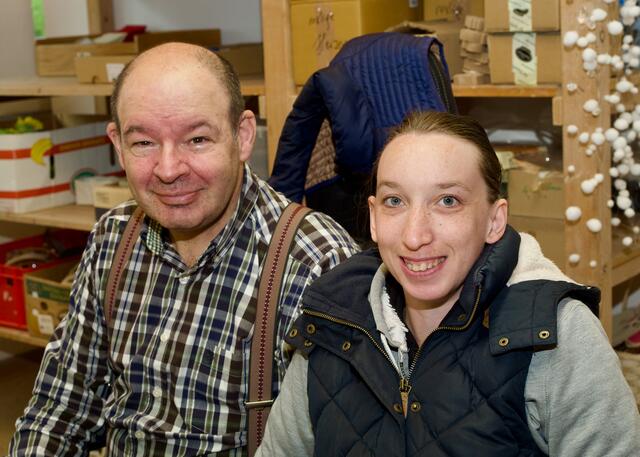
x=467, y=386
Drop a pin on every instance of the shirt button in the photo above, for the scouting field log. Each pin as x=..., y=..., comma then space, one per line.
x=139, y=434
x=164, y=337
x=157, y=392
x=184, y=279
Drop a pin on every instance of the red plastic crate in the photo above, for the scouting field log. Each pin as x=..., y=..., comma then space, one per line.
x=12, y=307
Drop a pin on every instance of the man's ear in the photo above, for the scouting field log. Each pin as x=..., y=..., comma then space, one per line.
x=497, y=221
x=114, y=136
x=372, y=218
x=246, y=134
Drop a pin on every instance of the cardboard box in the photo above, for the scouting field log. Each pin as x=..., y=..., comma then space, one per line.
x=37, y=169
x=452, y=10
x=247, y=58
x=55, y=56
x=448, y=33
x=83, y=187
x=548, y=231
x=100, y=69
x=108, y=196
x=536, y=193
x=525, y=58
x=522, y=16
x=47, y=298
x=319, y=28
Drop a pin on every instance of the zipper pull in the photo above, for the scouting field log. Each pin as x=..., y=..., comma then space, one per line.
x=405, y=388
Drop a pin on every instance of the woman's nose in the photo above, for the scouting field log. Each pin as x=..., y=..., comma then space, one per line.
x=417, y=229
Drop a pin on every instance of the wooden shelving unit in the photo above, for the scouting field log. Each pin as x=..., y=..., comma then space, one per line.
x=22, y=336
x=506, y=91
x=77, y=217
x=69, y=86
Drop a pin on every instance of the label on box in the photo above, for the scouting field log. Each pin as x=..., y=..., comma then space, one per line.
x=45, y=324
x=519, y=15
x=113, y=71
x=524, y=62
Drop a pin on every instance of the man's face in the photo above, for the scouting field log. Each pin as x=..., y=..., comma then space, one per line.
x=431, y=217
x=176, y=144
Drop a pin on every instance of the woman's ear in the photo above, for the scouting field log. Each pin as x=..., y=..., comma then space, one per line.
x=497, y=221
x=372, y=218
x=246, y=134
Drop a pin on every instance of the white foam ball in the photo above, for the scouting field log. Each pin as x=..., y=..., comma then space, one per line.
x=591, y=37
x=613, y=172
x=588, y=186
x=629, y=213
x=611, y=134
x=631, y=135
x=573, y=213
x=594, y=225
x=634, y=62
x=583, y=138
x=636, y=125
x=593, y=263
x=618, y=66
x=618, y=155
x=615, y=221
x=597, y=138
x=615, y=27
x=610, y=203
x=599, y=177
x=590, y=105
x=598, y=14
x=624, y=193
x=624, y=169
x=589, y=65
x=572, y=87
x=589, y=55
x=635, y=50
x=636, y=229
x=582, y=42
x=621, y=124
x=635, y=169
x=603, y=59
x=627, y=39
x=574, y=258
x=620, y=184
x=627, y=241
x=570, y=38
x=623, y=86
x=622, y=202
x=614, y=98
x=573, y=129
x=620, y=108
x=571, y=169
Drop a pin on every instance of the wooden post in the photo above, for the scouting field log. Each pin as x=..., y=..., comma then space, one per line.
x=592, y=247
x=278, y=71
x=100, y=16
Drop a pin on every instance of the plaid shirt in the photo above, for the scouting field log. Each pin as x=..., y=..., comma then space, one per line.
x=171, y=375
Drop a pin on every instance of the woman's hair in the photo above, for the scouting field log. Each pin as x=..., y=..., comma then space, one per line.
x=462, y=127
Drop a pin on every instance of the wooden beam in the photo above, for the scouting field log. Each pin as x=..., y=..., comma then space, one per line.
x=278, y=69
x=100, y=14
x=592, y=247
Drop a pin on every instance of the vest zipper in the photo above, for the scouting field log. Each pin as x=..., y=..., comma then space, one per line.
x=405, y=386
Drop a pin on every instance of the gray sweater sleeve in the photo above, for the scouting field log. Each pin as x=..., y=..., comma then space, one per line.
x=577, y=400
x=289, y=431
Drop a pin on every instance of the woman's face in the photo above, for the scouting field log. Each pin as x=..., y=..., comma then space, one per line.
x=431, y=216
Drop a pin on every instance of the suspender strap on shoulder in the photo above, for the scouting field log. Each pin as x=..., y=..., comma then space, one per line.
x=120, y=261
x=260, y=374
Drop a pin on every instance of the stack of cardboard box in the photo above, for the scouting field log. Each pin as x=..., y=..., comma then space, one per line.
x=474, y=53
x=524, y=41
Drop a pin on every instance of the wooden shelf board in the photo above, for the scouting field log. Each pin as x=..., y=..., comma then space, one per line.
x=68, y=86
x=22, y=336
x=626, y=263
x=508, y=91
x=78, y=217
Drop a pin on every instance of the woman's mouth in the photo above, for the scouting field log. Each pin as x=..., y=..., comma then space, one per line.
x=421, y=266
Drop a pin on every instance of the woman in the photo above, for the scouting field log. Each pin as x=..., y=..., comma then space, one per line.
x=457, y=338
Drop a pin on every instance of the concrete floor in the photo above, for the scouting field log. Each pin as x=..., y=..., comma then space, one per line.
x=19, y=365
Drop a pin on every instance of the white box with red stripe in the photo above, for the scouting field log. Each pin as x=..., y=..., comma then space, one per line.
x=37, y=169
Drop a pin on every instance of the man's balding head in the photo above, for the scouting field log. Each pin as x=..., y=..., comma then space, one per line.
x=175, y=55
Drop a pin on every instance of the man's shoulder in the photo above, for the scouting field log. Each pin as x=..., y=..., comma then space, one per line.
x=112, y=223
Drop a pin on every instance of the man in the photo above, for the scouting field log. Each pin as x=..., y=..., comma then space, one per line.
x=169, y=375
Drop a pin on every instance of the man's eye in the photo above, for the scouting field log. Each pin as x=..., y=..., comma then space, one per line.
x=392, y=201
x=449, y=201
x=199, y=140
x=142, y=143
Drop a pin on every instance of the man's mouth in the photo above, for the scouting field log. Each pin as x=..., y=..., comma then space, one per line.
x=418, y=267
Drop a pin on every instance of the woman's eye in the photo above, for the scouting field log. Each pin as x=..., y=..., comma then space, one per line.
x=449, y=201
x=392, y=201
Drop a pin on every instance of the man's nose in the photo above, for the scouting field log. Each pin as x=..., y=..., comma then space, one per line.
x=170, y=164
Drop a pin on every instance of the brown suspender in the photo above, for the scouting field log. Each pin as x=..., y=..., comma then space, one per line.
x=262, y=348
